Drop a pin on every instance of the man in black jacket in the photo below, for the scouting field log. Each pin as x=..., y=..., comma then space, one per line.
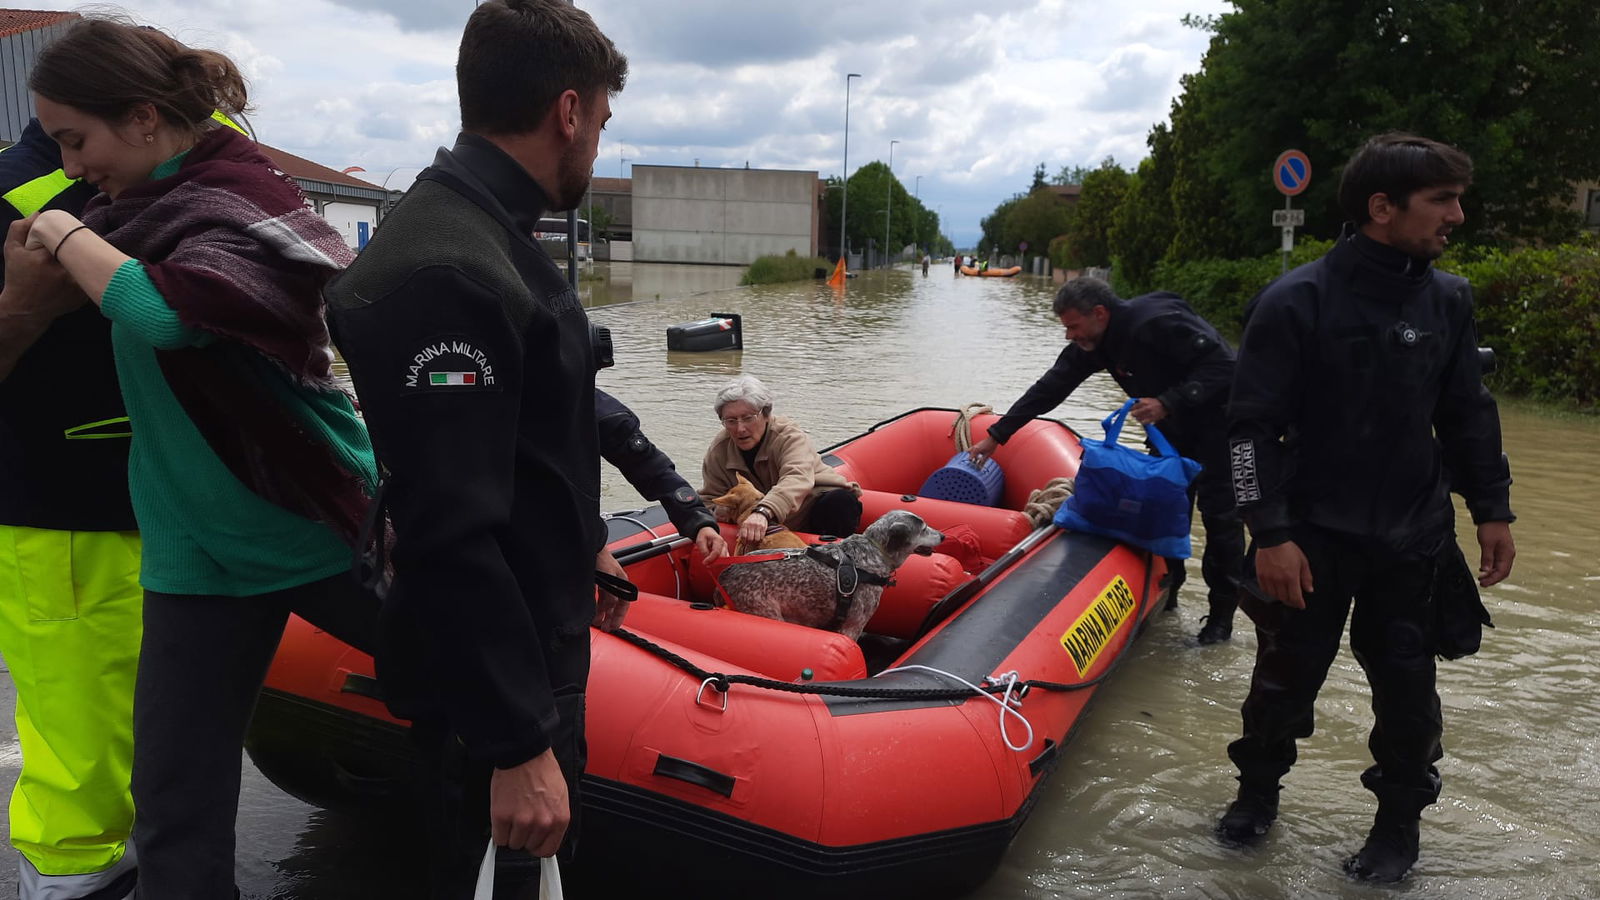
x=1357, y=405
x=1164, y=353
x=472, y=357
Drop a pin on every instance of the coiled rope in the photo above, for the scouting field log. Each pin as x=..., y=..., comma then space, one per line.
x=1043, y=503
x=962, y=428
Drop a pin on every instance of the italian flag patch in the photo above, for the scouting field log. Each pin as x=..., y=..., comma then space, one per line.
x=446, y=378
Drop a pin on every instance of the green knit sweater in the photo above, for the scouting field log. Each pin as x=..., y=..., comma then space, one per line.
x=204, y=531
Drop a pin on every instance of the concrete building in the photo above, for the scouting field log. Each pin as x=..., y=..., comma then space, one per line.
x=684, y=214
x=615, y=197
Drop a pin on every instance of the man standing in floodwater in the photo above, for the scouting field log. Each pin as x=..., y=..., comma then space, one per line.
x=473, y=359
x=1161, y=351
x=1358, y=404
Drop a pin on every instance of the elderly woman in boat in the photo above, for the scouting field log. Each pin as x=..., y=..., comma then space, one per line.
x=801, y=491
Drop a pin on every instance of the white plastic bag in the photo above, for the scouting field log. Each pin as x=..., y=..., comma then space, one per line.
x=549, y=878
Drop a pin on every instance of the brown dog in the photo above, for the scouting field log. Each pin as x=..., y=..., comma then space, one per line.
x=738, y=503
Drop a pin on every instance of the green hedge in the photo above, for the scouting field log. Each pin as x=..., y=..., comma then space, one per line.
x=1219, y=288
x=788, y=267
x=1539, y=308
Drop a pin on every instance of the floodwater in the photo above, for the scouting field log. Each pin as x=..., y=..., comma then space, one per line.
x=1129, y=811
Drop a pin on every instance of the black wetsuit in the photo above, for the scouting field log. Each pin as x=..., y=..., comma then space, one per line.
x=648, y=469
x=1358, y=388
x=1157, y=346
x=472, y=357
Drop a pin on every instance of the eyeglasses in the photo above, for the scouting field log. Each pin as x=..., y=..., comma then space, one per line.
x=745, y=420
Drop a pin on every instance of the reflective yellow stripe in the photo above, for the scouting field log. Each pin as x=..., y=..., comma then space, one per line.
x=81, y=432
x=222, y=117
x=31, y=196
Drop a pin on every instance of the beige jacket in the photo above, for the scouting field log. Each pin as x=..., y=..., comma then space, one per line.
x=788, y=469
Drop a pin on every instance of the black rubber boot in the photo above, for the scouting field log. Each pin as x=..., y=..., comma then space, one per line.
x=1249, y=816
x=1390, y=851
x=1174, y=579
x=1215, y=629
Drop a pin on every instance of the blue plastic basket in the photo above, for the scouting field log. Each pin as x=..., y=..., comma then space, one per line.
x=961, y=481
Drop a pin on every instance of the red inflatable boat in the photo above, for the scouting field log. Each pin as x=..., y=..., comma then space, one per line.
x=733, y=755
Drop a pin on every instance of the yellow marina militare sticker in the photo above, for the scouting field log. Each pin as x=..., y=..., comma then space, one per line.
x=1090, y=634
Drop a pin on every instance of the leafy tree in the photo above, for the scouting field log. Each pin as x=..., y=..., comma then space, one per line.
x=1507, y=81
x=1070, y=175
x=1089, y=234
x=1033, y=218
x=600, y=222
x=1143, y=226
x=873, y=189
x=996, y=226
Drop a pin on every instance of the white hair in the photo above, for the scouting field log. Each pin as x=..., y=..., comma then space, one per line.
x=747, y=388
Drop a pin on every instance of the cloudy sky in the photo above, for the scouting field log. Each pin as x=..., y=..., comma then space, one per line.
x=975, y=99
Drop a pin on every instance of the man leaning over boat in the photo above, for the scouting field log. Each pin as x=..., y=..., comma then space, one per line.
x=1164, y=353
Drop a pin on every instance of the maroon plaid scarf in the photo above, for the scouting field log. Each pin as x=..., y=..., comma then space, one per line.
x=231, y=245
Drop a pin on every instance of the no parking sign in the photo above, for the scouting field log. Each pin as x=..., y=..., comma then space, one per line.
x=1291, y=174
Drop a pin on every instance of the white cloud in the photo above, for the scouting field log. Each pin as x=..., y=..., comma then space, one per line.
x=976, y=99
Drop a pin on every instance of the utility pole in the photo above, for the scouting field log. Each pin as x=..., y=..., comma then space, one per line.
x=888, y=206
x=844, y=202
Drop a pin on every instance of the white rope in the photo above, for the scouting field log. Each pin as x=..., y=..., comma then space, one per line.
x=1006, y=702
x=677, y=579
x=627, y=518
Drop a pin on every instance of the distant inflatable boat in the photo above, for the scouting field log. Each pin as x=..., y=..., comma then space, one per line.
x=991, y=273
x=738, y=756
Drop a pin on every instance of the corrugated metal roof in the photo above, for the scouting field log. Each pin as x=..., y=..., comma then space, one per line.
x=16, y=21
x=300, y=167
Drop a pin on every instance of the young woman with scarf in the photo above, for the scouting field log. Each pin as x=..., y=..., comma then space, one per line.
x=249, y=470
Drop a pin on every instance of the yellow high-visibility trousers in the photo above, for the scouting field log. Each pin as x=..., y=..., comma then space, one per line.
x=70, y=624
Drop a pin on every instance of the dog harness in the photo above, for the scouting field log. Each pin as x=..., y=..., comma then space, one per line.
x=848, y=577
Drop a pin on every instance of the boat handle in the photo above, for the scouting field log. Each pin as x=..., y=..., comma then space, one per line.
x=1044, y=759
x=720, y=691
x=694, y=773
x=361, y=685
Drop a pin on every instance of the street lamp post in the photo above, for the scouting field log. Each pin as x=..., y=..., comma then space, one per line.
x=388, y=203
x=888, y=206
x=844, y=201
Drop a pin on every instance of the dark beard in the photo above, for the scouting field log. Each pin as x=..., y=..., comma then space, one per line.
x=572, y=182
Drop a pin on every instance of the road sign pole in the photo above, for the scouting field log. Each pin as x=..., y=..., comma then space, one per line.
x=1288, y=233
x=1291, y=173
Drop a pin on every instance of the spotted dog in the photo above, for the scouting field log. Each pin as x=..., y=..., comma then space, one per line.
x=833, y=586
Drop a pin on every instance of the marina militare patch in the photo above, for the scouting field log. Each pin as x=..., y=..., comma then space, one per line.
x=451, y=363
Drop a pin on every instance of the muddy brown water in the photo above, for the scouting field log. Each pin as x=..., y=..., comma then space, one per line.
x=1128, y=813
